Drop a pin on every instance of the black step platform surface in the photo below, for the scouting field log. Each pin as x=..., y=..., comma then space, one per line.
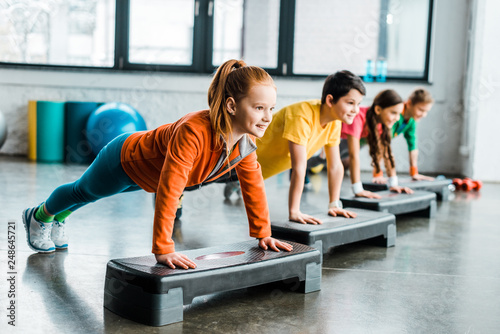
x=336, y=231
x=144, y=291
x=441, y=187
x=420, y=203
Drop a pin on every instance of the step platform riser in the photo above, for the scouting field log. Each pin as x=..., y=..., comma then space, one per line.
x=440, y=187
x=337, y=231
x=143, y=291
x=420, y=203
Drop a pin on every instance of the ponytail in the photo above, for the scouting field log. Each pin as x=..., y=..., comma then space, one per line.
x=380, y=144
x=232, y=79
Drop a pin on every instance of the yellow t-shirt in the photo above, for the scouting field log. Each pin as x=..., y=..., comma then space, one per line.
x=298, y=123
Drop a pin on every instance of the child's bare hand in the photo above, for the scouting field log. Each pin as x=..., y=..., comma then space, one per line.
x=341, y=212
x=379, y=180
x=399, y=189
x=174, y=260
x=367, y=194
x=420, y=177
x=302, y=218
x=274, y=244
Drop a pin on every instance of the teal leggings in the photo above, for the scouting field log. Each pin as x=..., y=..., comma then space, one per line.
x=104, y=177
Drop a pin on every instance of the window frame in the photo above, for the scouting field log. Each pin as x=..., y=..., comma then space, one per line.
x=203, y=46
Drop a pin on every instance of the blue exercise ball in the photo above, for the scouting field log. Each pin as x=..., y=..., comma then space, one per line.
x=3, y=129
x=111, y=120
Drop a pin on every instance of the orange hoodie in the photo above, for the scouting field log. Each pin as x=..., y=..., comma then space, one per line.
x=183, y=154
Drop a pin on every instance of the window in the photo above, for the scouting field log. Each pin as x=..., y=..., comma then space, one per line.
x=161, y=32
x=247, y=30
x=286, y=37
x=407, y=38
x=334, y=35
x=71, y=33
x=228, y=30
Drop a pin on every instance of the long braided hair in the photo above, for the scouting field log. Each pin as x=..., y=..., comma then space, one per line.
x=380, y=144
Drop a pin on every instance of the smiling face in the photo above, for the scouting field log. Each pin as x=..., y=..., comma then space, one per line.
x=347, y=107
x=417, y=111
x=389, y=115
x=253, y=113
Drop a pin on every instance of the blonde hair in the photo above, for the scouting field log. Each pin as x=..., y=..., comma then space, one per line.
x=420, y=95
x=234, y=78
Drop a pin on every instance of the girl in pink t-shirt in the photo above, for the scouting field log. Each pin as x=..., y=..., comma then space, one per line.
x=374, y=125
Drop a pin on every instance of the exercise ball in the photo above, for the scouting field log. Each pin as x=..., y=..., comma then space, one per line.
x=109, y=121
x=3, y=129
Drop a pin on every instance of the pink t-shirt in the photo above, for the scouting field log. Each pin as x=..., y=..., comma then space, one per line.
x=357, y=129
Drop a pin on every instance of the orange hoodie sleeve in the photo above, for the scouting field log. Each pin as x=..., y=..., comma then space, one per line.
x=254, y=196
x=182, y=150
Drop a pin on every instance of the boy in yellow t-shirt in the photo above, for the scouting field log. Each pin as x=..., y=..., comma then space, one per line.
x=299, y=130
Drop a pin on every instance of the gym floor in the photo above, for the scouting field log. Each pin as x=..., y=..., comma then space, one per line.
x=443, y=275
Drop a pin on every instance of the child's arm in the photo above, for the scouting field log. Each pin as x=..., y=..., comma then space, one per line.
x=379, y=178
x=414, y=169
x=354, y=168
x=411, y=140
x=174, y=260
x=254, y=197
x=183, y=150
x=393, y=178
x=335, y=174
x=298, y=156
x=274, y=244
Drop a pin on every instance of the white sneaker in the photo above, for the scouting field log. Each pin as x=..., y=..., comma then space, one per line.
x=230, y=188
x=37, y=233
x=58, y=235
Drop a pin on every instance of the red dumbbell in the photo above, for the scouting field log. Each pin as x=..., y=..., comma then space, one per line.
x=457, y=183
x=468, y=184
x=477, y=185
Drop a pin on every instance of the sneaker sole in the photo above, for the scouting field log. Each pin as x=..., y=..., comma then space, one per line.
x=26, y=221
x=229, y=191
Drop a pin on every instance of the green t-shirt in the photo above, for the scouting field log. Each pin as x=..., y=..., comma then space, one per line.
x=408, y=130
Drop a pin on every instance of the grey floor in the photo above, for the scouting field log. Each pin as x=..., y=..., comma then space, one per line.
x=443, y=276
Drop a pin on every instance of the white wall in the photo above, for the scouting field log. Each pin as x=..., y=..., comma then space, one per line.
x=481, y=154
x=164, y=97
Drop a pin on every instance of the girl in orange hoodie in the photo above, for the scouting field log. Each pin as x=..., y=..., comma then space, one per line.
x=199, y=148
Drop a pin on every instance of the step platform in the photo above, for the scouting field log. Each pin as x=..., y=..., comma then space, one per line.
x=144, y=291
x=441, y=187
x=336, y=231
x=420, y=203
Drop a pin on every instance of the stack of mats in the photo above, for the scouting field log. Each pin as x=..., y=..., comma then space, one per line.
x=56, y=131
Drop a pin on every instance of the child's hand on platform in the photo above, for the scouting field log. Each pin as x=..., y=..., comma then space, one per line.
x=302, y=218
x=379, y=180
x=399, y=189
x=420, y=177
x=274, y=244
x=367, y=194
x=341, y=212
x=175, y=260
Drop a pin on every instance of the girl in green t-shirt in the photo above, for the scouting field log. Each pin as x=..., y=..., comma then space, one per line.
x=415, y=108
x=374, y=125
